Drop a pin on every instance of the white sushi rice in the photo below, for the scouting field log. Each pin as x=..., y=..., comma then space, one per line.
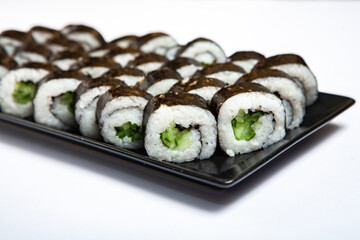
x=291, y=92
x=85, y=109
x=41, y=36
x=23, y=57
x=118, y=112
x=272, y=128
x=125, y=43
x=130, y=80
x=162, y=86
x=125, y=58
x=65, y=64
x=87, y=40
x=99, y=53
x=158, y=45
x=186, y=72
x=43, y=111
x=205, y=52
x=150, y=66
x=94, y=72
x=247, y=64
x=228, y=77
x=171, y=52
x=9, y=44
x=3, y=71
x=305, y=76
x=203, y=139
x=7, y=88
x=206, y=92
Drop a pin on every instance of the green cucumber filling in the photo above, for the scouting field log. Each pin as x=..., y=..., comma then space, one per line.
x=245, y=124
x=130, y=130
x=176, y=138
x=24, y=92
x=66, y=99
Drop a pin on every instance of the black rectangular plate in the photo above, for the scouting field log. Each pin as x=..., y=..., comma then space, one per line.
x=219, y=170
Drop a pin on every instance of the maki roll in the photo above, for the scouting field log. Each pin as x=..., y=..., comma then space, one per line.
x=289, y=89
x=10, y=40
x=148, y=62
x=86, y=98
x=125, y=41
x=65, y=59
x=179, y=127
x=156, y=42
x=120, y=114
x=18, y=88
x=186, y=67
x=204, y=51
x=41, y=34
x=160, y=81
x=226, y=72
x=87, y=36
x=130, y=76
x=95, y=67
x=54, y=100
x=204, y=87
x=295, y=66
x=246, y=59
x=60, y=44
x=31, y=53
x=249, y=118
x=123, y=55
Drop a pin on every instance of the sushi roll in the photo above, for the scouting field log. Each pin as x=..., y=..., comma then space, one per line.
x=86, y=98
x=123, y=55
x=156, y=42
x=186, y=67
x=249, y=118
x=54, y=100
x=295, y=66
x=41, y=34
x=120, y=114
x=172, y=52
x=179, y=127
x=18, y=88
x=148, y=62
x=160, y=81
x=246, y=59
x=95, y=67
x=132, y=77
x=60, y=44
x=87, y=36
x=31, y=53
x=204, y=87
x=204, y=51
x=10, y=40
x=226, y=72
x=65, y=59
x=289, y=89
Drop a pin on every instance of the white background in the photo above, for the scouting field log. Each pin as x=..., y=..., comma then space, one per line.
x=50, y=189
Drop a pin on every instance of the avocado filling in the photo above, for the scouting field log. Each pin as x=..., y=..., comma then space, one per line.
x=129, y=130
x=66, y=99
x=24, y=92
x=245, y=124
x=175, y=138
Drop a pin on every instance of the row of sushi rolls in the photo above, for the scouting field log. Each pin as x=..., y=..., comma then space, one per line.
x=177, y=101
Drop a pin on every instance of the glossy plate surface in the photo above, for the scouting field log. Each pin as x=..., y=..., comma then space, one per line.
x=220, y=170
